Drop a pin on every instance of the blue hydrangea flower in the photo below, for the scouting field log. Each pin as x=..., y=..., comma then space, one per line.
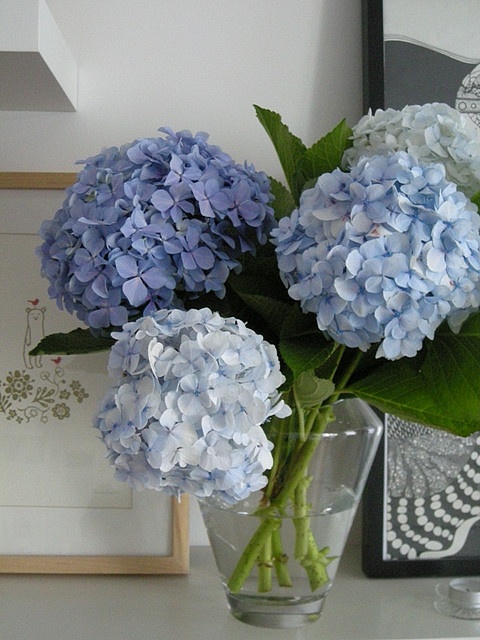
x=431, y=133
x=150, y=225
x=383, y=254
x=191, y=391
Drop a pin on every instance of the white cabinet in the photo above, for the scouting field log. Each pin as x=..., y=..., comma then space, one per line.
x=37, y=69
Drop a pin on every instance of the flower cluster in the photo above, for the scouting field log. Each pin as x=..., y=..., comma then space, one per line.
x=383, y=253
x=431, y=133
x=380, y=253
x=151, y=224
x=191, y=391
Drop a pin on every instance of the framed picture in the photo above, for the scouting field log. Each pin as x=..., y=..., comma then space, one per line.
x=61, y=510
x=419, y=51
x=422, y=500
x=421, y=505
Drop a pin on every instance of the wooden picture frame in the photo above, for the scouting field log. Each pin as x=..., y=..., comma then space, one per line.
x=143, y=510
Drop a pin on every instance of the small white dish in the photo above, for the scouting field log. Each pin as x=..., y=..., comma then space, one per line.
x=459, y=598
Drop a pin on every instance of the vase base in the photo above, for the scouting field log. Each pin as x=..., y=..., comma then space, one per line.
x=275, y=613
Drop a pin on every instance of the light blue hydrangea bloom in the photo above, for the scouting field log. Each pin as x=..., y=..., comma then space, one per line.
x=383, y=254
x=431, y=133
x=151, y=224
x=184, y=414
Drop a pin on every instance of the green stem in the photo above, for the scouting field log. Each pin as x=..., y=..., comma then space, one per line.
x=270, y=515
x=303, y=458
x=312, y=416
x=265, y=567
x=300, y=415
x=347, y=374
x=279, y=428
x=280, y=560
x=283, y=482
x=251, y=552
x=315, y=563
x=301, y=520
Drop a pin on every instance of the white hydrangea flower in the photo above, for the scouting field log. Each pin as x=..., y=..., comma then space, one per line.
x=431, y=133
x=191, y=392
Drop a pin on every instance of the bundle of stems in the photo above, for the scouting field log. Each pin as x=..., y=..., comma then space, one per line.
x=295, y=440
x=287, y=492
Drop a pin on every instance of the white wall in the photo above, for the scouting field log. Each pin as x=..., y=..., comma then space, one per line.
x=195, y=64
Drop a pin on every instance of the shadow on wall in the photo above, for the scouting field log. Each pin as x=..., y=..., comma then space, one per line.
x=328, y=92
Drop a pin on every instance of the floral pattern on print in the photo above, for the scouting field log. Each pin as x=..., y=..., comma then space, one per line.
x=34, y=390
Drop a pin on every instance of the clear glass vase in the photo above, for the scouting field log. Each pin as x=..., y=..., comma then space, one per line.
x=296, y=549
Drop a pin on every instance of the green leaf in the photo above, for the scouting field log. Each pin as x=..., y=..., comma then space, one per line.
x=284, y=204
x=299, y=324
x=288, y=147
x=260, y=288
x=439, y=387
x=326, y=154
x=476, y=199
x=302, y=346
x=311, y=391
x=260, y=275
x=75, y=342
x=305, y=353
x=271, y=310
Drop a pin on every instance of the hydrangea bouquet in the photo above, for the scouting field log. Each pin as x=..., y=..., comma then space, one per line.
x=237, y=307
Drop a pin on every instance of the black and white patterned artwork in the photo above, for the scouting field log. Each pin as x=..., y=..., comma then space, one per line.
x=432, y=498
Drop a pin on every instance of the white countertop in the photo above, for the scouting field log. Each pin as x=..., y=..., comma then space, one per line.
x=194, y=607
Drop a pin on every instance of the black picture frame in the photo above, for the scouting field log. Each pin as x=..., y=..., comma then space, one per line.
x=387, y=83
x=412, y=67
x=373, y=55
x=412, y=534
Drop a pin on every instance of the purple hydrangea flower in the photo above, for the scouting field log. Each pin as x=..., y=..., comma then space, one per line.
x=383, y=254
x=150, y=225
x=191, y=391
